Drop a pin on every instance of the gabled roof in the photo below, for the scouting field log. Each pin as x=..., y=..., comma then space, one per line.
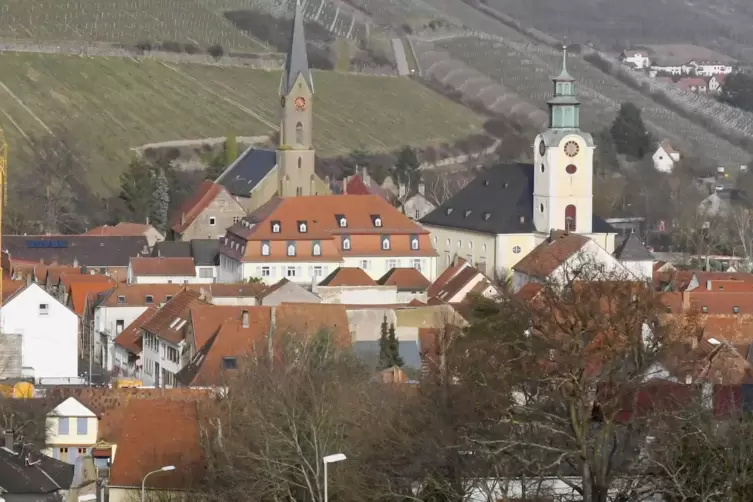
x=446, y=276
x=135, y=295
x=172, y=249
x=170, y=322
x=498, y=201
x=296, y=61
x=194, y=205
x=121, y=229
x=79, y=291
x=71, y=407
x=130, y=338
x=11, y=288
x=406, y=279
x=174, y=267
x=102, y=400
x=207, y=319
x=667, y=147
x=85, y=250
x=550, y=254
x=48, y=476
x=242, y=176
x=348, y=276
x=632, y=249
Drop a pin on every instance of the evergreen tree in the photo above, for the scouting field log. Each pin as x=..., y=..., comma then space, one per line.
x=136, y=187
x=394, y=345
x=605, y=156
x=384, y=346
x=160, y=201
x=230, y=150
x=738, y=91
x=216, y=166
x=629, y=132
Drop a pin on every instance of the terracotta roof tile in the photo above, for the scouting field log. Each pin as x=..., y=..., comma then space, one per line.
x=163, y=266
x=736, y=329
x=79, y=291
x=130, y=338
x=240, y=290
x=53, y=274
x=529, y=291
x=170, y=322
x=150, y=434
x=715, y=302
x=207, y=319
x=406, y=279
x=192, y=207
x=348, y=276
x=11, y=287
x=457, y=283
x=550, y=254
x=122, y=229
x=101, y=400
x=132, y=295
x=445, y=277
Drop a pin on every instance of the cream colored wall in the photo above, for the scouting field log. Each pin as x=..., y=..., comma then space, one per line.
x=264, y=190
x=555, y=189
x=72, y=438
x=473, y=245
x=604, y=240
x=506, y=257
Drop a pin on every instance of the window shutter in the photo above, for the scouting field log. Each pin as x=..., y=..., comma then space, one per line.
x=258, y=271
x=311, y=270
x=298, y=271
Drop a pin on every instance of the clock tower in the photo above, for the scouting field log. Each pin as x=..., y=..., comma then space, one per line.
x=563, y=164
x=295, y=153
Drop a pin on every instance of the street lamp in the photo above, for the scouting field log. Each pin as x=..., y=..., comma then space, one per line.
x=143, y=481
x=330, y=459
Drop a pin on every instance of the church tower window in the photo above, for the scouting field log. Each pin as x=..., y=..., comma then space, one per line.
x=570, y=215
x=300, y=162
x=299, y=133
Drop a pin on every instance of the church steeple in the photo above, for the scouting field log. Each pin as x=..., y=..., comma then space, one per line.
x=564, y=107
x=296, y=61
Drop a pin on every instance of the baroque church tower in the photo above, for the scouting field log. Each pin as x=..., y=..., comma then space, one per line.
x=295, y=153
x=563, y=164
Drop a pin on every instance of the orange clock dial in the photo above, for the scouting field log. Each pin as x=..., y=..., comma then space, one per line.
x=571, y=148
x=300, y=103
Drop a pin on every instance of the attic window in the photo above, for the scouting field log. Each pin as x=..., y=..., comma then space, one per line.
x=346, y=242
x=276, y=227
x=168, y=298
x=505, y=184
x=486, y=183
x=148, y=299
x=705, y=309
x=316, y=248
x=522, y=219
x=487, y=215
x=386, y=243
x=736, y=309
x=265, y=248
x=341, y=221
x=229, y=363
x=376, y=220
x=414, y=242
x=448, y=211
x=467, y=213
x=121, y=299
x=175, y=322
x=302, y=227
x=291, y=248
x=180, y=324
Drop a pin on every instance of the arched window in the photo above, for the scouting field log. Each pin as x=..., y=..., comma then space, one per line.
x=317, y=250
x=414, y=243
x=291, y=249
x=346, y=243
x=385, y=243
x=300, y=162
x=570, y=215
x=265, y=249
x=299, y=133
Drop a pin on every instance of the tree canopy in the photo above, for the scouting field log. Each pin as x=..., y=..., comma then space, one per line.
x=629, y=133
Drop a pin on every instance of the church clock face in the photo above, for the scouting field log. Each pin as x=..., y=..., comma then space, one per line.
x=571, y=148
x=300, y=103
x=542, y=148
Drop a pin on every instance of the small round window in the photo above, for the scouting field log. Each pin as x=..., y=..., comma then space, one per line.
x=571, y=169
x=542, y=168
x=541, y=207
x=516, y=250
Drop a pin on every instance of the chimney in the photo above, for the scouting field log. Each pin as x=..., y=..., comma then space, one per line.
x=401, y=190
x=9, y=439
x=147, y=220
x=365, y=176
x=421, y=189
x=551, y=235
x=345, y=185
x=244, y=318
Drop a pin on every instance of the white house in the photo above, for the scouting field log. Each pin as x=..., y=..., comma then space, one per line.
x=710, y=68
x=634, y=256
x=716, y=83
x=564, y=257
x=45, y=331
x=71, y=431
x=638, y=58
x=665, y=157
x=460, y=280
x=160, y=270
x=354, y=286
x=417, y=205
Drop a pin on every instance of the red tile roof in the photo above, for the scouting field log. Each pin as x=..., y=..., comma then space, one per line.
x=348, y=276
x=122, y=229
x=150, y=434
x=445, y=277
x=130, y=338
x=406, y=279
x=174, y=267
x=714, y=302
x=11, y=287
x=192, y=207
x=170, y=322
x=79, y=291
x=550, y=254
x=206, y=320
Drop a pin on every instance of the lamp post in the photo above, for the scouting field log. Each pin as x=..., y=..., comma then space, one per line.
x=143, y=481
x=330, y=459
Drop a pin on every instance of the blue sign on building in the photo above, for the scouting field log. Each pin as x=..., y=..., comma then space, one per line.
x=47, y=243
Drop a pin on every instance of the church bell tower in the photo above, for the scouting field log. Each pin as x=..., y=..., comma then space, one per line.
x=563, y=164
x=295, y=153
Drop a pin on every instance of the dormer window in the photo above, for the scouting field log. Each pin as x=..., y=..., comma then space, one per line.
x=487, y=215
x=376, y=220
x=291, y=248
x=316, y=248
x=467, y=213
x=385, y=243
x=342, y=222
x=414, y=242
x=276, y=227
x=448, y=211
x=148, y=299
x=265, y=249
x=302, y=227
x=346, y=242
x=121, y=299
x=736, y=309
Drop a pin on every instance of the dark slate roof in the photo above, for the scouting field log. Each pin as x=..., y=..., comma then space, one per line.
x=247, y=171
x=172, y=249
x=296, y=61
x=632, y=249
x=498, y=201
x=368, y=350
x=205, y=252
x=48, y=476
x=87, y=250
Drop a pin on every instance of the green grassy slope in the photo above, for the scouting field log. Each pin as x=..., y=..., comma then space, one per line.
x=108, y=105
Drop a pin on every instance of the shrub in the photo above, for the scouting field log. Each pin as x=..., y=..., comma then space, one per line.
x=191, y=49
x=144, y=46
x=171, y=46
x=216, y=51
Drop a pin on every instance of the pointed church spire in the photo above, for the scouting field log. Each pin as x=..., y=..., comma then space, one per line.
x=564, y=107
x=296, y=61
x=564, y=76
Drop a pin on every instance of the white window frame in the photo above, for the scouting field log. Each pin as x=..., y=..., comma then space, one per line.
x=44, y=309
x=378, y=222
x=417, y=264
x=343, y=222
x=289, y=248
x=316, y=249
x=346, y=244
x=318, y=271
x=266, y=249
x=266, y=271
x=288, y=271
x=276, y=228
x=386, y=245
x=414, y=244
x=302, y=228
x=364, y=264
x=212, y=221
